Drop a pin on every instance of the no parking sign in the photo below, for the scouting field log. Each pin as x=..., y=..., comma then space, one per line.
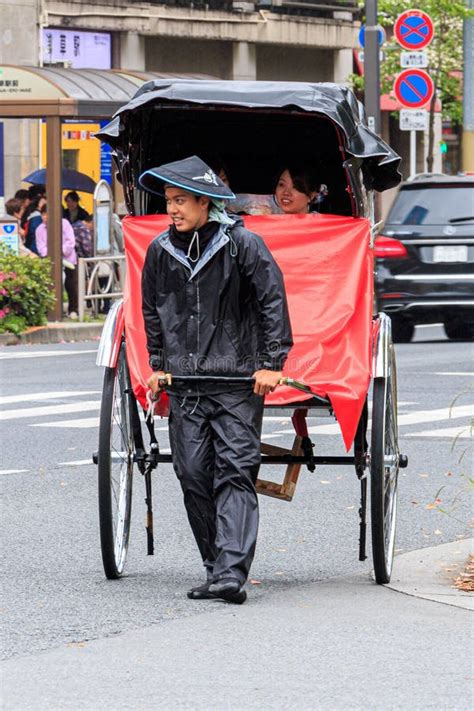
x=413, y=29
x=413, y=88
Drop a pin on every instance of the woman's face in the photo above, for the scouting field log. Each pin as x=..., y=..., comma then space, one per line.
x=71, y=204
x=291, y=200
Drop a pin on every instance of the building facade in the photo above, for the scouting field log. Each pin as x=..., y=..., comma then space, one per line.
x=266, y=40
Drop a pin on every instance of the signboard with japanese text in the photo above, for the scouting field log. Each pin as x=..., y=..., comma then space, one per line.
x=413, y=120
x=81, y=50
x=24, y=83
x=9, y=234
x=417, y=60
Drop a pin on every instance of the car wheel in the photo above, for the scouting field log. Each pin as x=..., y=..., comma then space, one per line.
x=402, y=330
x=457, y=331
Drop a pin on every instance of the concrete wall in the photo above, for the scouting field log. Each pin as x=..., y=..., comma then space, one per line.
x=294, y=64
x=19, y=32
x=166, y=54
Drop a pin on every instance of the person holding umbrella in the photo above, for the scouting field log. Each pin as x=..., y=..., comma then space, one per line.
x=214, y=304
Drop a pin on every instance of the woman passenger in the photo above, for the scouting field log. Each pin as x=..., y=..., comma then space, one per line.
x=296, y=190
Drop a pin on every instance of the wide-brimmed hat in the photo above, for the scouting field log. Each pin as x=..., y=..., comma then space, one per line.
x=191, y=174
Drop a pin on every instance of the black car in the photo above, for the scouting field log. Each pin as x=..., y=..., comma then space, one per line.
x=425, y=257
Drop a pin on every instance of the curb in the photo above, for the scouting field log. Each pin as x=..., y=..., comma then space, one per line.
x=54, y=333
x=429, y=573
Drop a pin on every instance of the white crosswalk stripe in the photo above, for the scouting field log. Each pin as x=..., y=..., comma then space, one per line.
x=13, y=471
x=451, y=432
x=38, y=397
x=29, y=412
x=80, y=423
x=65, y=415
x=42, y=354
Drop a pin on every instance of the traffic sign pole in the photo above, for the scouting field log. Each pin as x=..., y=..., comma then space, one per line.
x=372, y=67
x=412, y=154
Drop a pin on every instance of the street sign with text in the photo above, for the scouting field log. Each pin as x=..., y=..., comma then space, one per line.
x=413, y=29
x=417, y=60
x=413, y=120
x=413, y=88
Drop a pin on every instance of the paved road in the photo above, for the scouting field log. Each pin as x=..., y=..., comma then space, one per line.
x=54, y=590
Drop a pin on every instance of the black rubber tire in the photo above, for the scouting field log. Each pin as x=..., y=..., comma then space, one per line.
x=402, y=330
x=457, y=331
x=114, y=543
x=383, y=478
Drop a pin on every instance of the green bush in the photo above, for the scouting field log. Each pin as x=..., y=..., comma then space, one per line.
x=26, y=291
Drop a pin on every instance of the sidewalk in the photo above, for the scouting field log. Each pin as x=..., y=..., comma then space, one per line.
x=344, y=643
x=430, y=573
x=54, y=332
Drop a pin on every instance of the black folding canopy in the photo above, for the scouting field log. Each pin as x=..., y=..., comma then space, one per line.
x=250, y=120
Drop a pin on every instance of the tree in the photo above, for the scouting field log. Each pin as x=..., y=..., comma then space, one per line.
x=445, y=56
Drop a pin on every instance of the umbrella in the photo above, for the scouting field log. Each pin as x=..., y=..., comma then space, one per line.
x=70, y=180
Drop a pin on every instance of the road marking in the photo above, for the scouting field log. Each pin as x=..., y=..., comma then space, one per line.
x=36, y=397
x=471, y=375
x=77, y=463
x=28, y=412
x=445, y=413
x=81, y=423
x=451, y=432
x=42, y=354
x=412, y=418
x=13, y=471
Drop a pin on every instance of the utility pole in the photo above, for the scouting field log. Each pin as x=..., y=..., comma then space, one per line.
x=372, y=67
x=468, y=98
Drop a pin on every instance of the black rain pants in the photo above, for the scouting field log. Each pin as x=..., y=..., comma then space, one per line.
x=215, y=445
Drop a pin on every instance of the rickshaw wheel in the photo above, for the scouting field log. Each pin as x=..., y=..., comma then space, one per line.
x=384, y=465
x=115, y=466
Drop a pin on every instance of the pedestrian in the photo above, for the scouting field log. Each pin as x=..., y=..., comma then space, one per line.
x=15, y=209
x=31, y=220
x=214, y=304
x=69, y=258
x=73, y=211
x=23, y=196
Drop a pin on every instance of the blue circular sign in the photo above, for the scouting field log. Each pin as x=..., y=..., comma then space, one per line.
x=380, y=34
x=413, y=88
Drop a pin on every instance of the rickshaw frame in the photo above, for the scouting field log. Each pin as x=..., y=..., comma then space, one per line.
x=381, y=459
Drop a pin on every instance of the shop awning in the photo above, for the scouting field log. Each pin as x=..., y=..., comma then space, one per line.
x=80, y=93
x=55, y=94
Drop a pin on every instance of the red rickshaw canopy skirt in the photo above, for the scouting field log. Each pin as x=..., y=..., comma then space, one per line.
x=327, y=265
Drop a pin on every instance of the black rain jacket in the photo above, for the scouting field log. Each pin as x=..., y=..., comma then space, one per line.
x=225, y=315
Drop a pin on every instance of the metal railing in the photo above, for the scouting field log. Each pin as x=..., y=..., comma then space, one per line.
x=100, y=278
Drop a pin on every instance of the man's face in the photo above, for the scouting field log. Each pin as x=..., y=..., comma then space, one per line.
x=188, y=211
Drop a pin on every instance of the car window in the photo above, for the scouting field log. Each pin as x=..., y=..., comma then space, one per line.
x=434, y=205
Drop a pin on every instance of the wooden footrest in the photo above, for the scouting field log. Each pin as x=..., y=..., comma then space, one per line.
x=284, y=491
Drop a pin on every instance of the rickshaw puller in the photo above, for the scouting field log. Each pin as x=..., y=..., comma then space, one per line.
x=214, y=303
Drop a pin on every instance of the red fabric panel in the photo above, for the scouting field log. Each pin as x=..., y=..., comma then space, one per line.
x=328, y=270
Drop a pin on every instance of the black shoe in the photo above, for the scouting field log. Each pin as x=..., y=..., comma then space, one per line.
x=201, y=592
x=228, y=589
